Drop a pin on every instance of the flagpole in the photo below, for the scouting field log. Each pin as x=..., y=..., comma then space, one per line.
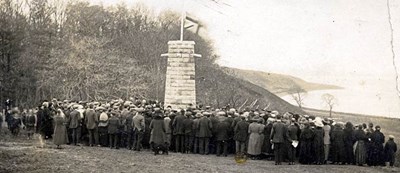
x=182, y=23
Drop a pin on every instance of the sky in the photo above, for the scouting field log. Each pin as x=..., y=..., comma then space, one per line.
x=340, y=42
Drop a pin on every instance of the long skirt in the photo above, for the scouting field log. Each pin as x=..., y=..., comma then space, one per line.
x=360, y=153
x=60, y=135
x=306, y=152
x=254, y=146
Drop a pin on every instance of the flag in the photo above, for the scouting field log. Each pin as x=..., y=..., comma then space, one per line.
x=192, y=24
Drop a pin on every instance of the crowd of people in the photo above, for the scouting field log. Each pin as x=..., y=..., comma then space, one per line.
x=257, y=134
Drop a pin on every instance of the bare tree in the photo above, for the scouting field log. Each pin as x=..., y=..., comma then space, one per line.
x=330, y=101
x=298, y=94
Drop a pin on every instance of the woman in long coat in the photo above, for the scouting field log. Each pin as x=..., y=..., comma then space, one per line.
x=254, y=145
x=337, y=142
x=319, y=144
x=348, y=143
x=157, y=135
x=306, y=145
x=360, y=150
x=60, y=131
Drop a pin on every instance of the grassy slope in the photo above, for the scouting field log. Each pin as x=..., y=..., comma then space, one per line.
x=245, y=89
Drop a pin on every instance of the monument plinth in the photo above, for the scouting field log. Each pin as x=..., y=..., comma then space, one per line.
x=180, y=83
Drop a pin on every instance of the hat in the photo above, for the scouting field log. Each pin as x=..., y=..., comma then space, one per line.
x=326, y=120
x=75, y=106
x=220, y=113
x=206, y=113
x=100, y=108
x=391, y=137
x=275, y=112
x=271, y=120
x=45, y=104
x=318, y=123
x=370, y=125
x=140, y=109
x=198, y=115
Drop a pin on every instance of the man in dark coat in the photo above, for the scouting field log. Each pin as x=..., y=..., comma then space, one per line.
x=306, y=144
x=337, y=142
x=377, y=139
x=390, y=150
x=212, y=142
x=129, y=128
x=138, y=124
x=67, y=113
x=369, y=145
x=195, y=132
x=158, y=137
x=279, y=134
x=179, y=132
x=348, y=133
x=113, y=129
x=47, y=121
x=124, y=133
x=188, y=126
x=294, y=133
x=91, y=121
x=205, y=132
x=241, y=134
x=222, y=137
x=74, y=124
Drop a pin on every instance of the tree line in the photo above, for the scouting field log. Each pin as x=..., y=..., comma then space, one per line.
x=80, y=51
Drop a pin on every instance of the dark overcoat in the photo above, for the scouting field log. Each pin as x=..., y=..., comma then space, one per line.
x=241, y=131
x=222, y=130
x=178, y=125
x=205, y=126
x=157, y=127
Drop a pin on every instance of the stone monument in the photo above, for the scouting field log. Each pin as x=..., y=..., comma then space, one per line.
x=180, y=83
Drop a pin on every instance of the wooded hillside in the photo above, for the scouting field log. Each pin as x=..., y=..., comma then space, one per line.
x=75, y=50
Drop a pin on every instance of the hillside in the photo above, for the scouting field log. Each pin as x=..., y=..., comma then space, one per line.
x=277, y=83
x=217, y=88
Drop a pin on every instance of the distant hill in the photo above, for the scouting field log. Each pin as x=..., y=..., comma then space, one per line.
x=277, y=83
x=214, y=86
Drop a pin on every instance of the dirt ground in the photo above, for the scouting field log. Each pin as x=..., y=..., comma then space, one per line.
x=18, y=154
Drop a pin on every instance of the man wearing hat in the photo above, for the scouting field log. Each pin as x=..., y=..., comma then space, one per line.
x=222, y=137
x=188, y=126
x=327, y=138
x=139, y=127
x=113, y=124
x=91, y=121
x=128, y=126
x=102, y=126
x=195, y=131
x=390, y=150
x=278, y=135
x=124, y=129
x=179, y=131
x=168, y=128
x=240, y=134
x=205, y=133
x=377, y=139
x=74, y=124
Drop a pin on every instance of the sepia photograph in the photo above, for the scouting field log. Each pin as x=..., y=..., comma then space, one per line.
x=193, y=86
